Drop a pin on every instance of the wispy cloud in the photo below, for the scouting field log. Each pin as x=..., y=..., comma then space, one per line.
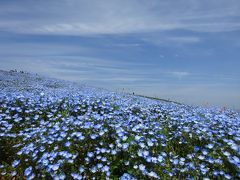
x=73, y=17
x=172, y=40
x=178, y=74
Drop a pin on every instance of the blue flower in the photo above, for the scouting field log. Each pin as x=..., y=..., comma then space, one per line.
x=28, y=171
x=204, y=152
x=210, y=146
x=201, y=157
x=145, y=153
x=226, y=153
x=90, y=154
x=127, y=176
x=175, y=161
x=142, y=167
x=149, y=159
x=99, y=165
x=125, y=146
x=15, y=163
x=153, y=174
x=14, y=173
x=160, y=158
x=105, y=168
x=93, y=136
x=67, y=144
x=150, y=143
x=196, y=148
x=81, y=169
x=55, y=167
x=93, y=169
x=227, y=176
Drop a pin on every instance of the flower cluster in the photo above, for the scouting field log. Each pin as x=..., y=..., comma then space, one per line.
x=61, y=135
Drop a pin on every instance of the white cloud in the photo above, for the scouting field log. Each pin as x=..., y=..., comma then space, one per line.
x=187, y=39
x=166, y=39
x=178, y=74
x=93, y=17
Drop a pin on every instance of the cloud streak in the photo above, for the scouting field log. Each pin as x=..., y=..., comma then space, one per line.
x=71, y=17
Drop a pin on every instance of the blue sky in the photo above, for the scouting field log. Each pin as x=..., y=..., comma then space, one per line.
x=185, y=50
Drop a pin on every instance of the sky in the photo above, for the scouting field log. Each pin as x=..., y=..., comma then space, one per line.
x=182, y=50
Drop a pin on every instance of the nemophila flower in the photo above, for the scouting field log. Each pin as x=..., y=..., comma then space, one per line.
x=175, y=161
x=67, y=144
x=154, y=159
x=149, y=159
x=142, y=167
x=105, y=168
x=81, y=169
x=182, y=159
x=160, y=158
x=99, y=165
x=210, y=160
x=103, y=159
x=210, y=146
x=125, y=146
x=206, y=178
x=196, y=148
x=28, y=171
x=221, y=172
x=113, y=152
x=191, y=166
x=127, y=176
x=101, y=133
x=201, y=157
x=235, y=147
x=204, y=152
x=99, y=157
x=181, y=162
x=120, y=134
x=150, y=143
x=32, y=176
x=3, y=173
x=90, y=154
x=139, y=138
x=164, y=154
x=236, y=159
x=226, y=153
x=93, y=136
x=124, y=138
x=14, y=173
x=227, y=176
x=145, y=153
x=170, y=174
x=218, y=161
x=203, y=169
x=93, y=169
x=15, y=163
x=142, y=145
x=60, y=177
x=153, y=174
x=215, y=173
x=55, y=167
x=103, y=150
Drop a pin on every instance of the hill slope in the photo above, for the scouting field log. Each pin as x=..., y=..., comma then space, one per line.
x=57, y=129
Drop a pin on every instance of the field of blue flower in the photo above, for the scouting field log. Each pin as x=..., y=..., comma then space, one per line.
x=48, y=134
